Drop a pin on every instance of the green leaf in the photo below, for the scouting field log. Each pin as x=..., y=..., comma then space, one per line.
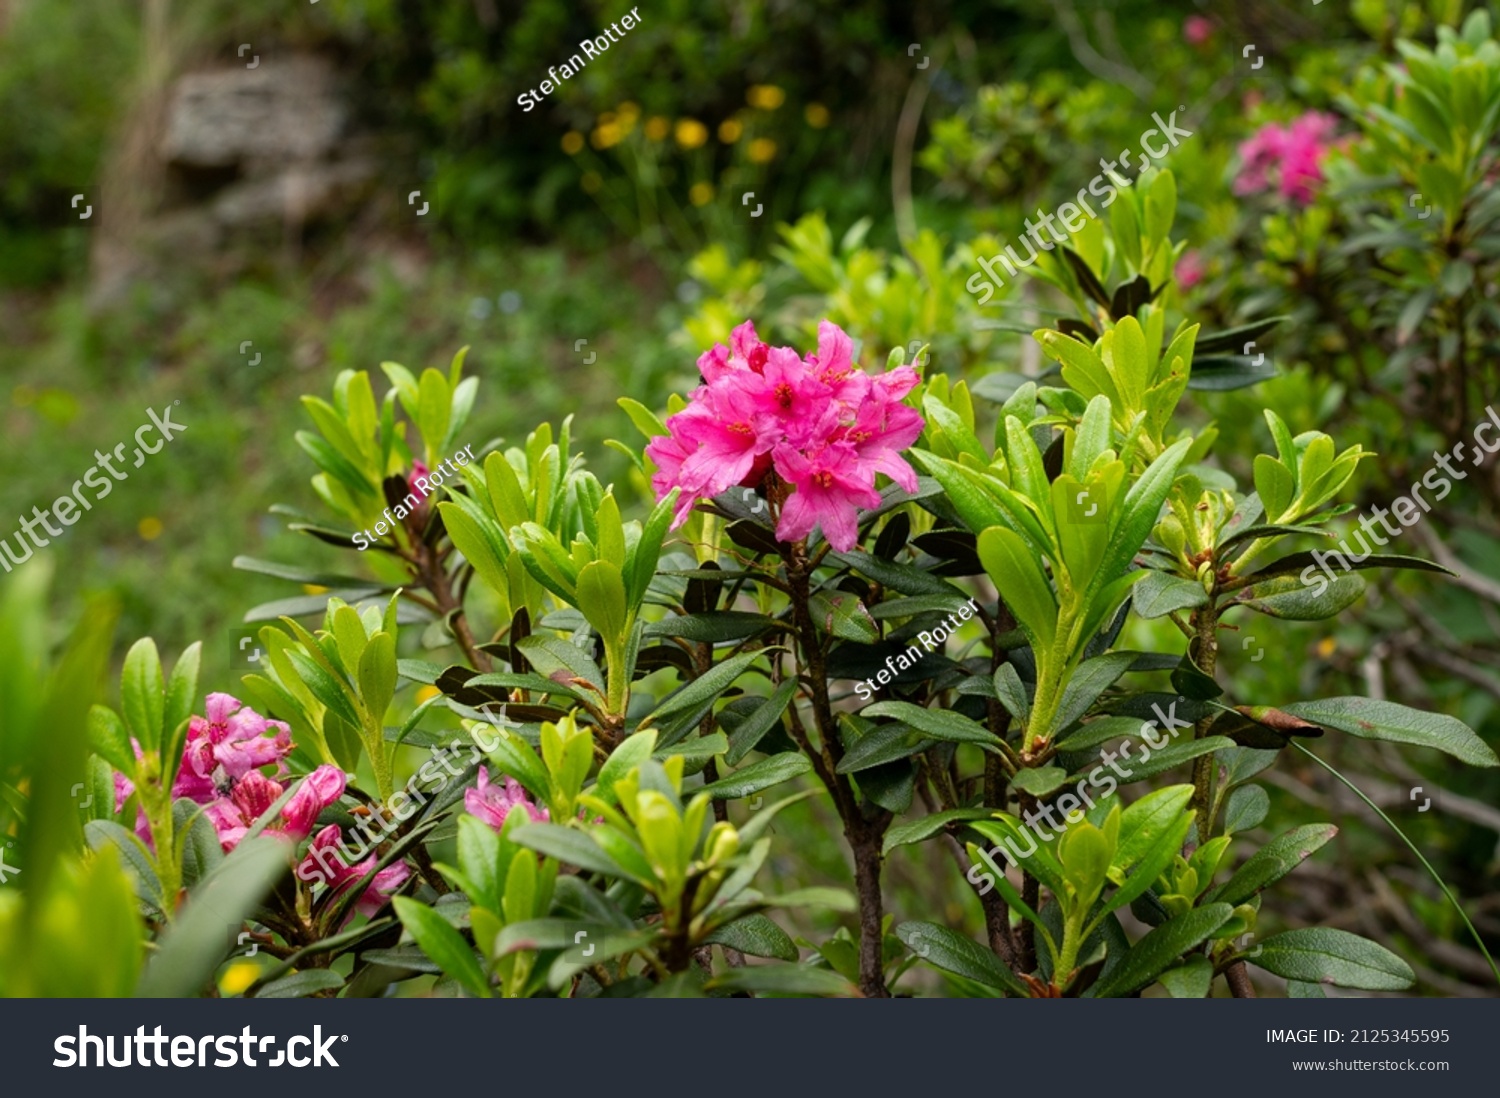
x=134, y=858
x=333, y=693
x=953, y=952
x=193, y=946
x=1021, y=583
x=884, y=744
x=1295, y=564
x=1288, y=597
x=917, y=830
x=756, y=935
x=1189, y=980
x=377, y=675
x=714, y=626
x=939, y=724
x=1273, y=861
x=141, y=694
x=182, y=694
x=1039, y=781
x=108, y=737
x=635, y=750
x=566, y=845
x=1160, y=949
x=1011, y=692
x=1092, y=678
x=1247, y=807
x=1160, y=594
x=749, y=732
x=780, y=979
x=1382, y=720
x=549, y=655
x=1174, y=754
x=844, y=616
x=299, y=985
x=601, y=597
x=759, y=775
x=444, y=945
x=1323, y=955
x=680, y=711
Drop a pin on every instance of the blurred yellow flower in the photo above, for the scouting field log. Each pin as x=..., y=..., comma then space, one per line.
x=657, y=127
x=572, y=142
x=701, y=194
x=766, y=97
x=691, y=133
x=816, y=115
x=313, y=589
x=591, y=182
x=629, y=112
x=149, y=527
x=730, y=130
x=238, y=976
x=1327, y=647
x=607, y=135
x=427, y=693
x=762, y=150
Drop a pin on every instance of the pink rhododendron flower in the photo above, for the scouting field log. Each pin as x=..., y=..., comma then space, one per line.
x=323, y=861
x=1197, y=29
x=1293, y=152
x=824, y=427
x=253, y=794
x=493, y=803
x=1189, y=270
x=225, y=745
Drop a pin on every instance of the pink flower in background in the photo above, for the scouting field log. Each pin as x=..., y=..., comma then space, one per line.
x=1294, y=153
x=419, y=472
x=323, y=860
x=493, y=803
x=224, y=746
x=822, y=425
x=1197, y=29
x=1189, y=270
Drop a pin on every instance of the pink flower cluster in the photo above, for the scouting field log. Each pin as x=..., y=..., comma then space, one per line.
x=493, y=803
x=824, y=426
x=1294, y=152
x=221, y=770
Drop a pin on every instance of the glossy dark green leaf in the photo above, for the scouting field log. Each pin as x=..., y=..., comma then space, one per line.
x=1160, y=594
x=299, y=985
x=756, y=935
x=1323, y=955
x=714, y=627
x=953, y=952
x=1382, y=720
x=939, y=724
x=444, y=945
x=1160, y=949
x=1288, y=597
x=916, y=831
x=758, y=775
x=745, y=733
x=1273, y=861
x=784, y=979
